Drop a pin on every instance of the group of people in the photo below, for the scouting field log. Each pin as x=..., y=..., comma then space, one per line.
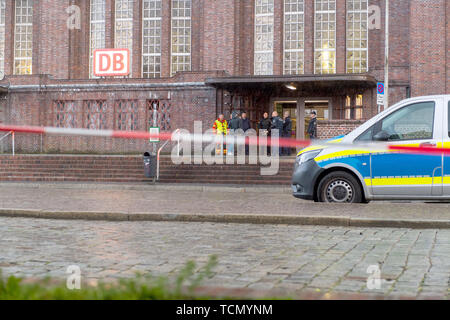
x=265, y=126
x=284, y=127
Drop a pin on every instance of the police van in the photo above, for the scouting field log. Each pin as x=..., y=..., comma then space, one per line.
x=340, y=171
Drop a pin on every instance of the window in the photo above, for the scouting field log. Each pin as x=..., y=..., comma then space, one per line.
x=294, y=24
x=414, y=122
x=151, y=39
x=181, y=36
x=124, y=25
x=348, y=108
x=325, y=37
x=97, y=30
x=264, y=24
x=23, y=37
x=357, y=36
x=96, y=114
x=65, y=114
x=448, y=119
x=163, y=119
x=366, y=136
x=354, y=111
x=2, y=37
x=127, y=115
x=359, y=107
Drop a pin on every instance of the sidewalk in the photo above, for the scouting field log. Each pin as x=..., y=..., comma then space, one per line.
x=195, y=203
x=147, y=186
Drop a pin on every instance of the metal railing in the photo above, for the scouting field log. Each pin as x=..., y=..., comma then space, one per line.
x=162, y=147
x=10, y=133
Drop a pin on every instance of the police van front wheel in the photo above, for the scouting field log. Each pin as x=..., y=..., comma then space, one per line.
x=339, y=187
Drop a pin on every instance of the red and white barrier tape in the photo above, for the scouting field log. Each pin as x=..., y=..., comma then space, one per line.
x=143, y=135
x=282, y=142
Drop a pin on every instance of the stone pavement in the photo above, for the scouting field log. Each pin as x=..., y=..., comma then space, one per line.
x=290, y=259
x=208, y=204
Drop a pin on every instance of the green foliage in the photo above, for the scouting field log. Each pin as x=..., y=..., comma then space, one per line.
x=139, y=288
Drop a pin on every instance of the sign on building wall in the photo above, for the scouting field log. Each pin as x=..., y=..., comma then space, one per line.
x=380, y=93
x=111, y=62
x=155, y=132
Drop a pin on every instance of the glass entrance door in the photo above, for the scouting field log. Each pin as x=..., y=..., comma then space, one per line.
x=291, y=107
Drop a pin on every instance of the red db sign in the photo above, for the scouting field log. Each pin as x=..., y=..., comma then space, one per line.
x=111, y=62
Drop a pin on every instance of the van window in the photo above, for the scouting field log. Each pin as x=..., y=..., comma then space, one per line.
x=366, y=136
x=413, y=122
x=448, y=119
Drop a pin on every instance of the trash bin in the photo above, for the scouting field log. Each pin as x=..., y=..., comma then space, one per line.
x=149, y=165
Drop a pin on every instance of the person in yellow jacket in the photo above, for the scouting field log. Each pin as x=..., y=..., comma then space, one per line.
x=220, y=127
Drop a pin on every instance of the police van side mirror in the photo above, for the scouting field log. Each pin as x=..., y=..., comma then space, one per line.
x=381, y=136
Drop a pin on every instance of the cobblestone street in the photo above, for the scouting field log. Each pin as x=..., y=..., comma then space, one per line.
x=414, y=263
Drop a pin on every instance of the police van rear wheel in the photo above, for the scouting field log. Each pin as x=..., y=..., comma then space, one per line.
x=339, y=187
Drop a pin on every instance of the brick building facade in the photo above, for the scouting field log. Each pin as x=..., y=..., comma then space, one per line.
x=198, y=58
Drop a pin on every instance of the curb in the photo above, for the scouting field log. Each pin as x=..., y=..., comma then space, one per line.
x=344, y=221
x=158, y=187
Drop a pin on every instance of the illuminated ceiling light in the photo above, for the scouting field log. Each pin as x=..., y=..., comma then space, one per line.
x=291, y=87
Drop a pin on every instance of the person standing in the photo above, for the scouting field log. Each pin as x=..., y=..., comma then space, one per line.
x=277, y=124
x=220, y=127
x=264, y=128
x=264, y=125
x=312, y=127
x=233, y=125
x=287, y=133
x=244, y=124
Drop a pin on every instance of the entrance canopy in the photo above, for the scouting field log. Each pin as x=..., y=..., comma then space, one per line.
x=257, y=94
x=3, y=89
x=292, y=83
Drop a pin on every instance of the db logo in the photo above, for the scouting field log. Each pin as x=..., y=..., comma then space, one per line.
x=111, y=62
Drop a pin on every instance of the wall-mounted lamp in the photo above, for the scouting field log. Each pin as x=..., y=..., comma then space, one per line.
x=291, y=87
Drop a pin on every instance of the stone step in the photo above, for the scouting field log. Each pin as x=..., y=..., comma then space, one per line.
x=69, y=174
x=79, y=168
x=106, y=173
x=139, y=167
x=72, y=179
x=202, y=181
x=68, y=167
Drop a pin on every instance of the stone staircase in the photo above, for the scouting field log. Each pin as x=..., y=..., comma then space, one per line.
x=129, y=169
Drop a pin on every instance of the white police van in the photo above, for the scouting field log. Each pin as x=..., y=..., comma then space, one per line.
x=340, y=172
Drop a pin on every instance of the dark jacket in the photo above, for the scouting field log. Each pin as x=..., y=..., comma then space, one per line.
x=265, y=124
x=244, y=124
x=312, y=128
x=277, y=124
x=287, y=127
x=233, y=124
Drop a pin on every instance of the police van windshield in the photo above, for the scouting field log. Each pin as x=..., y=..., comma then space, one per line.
x=413, y=122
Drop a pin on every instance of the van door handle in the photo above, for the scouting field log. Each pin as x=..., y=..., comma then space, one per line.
x=428, y=144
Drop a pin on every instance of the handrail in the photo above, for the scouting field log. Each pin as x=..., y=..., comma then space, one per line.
x=13, y=140
x=159, y=153
x=7, y=134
